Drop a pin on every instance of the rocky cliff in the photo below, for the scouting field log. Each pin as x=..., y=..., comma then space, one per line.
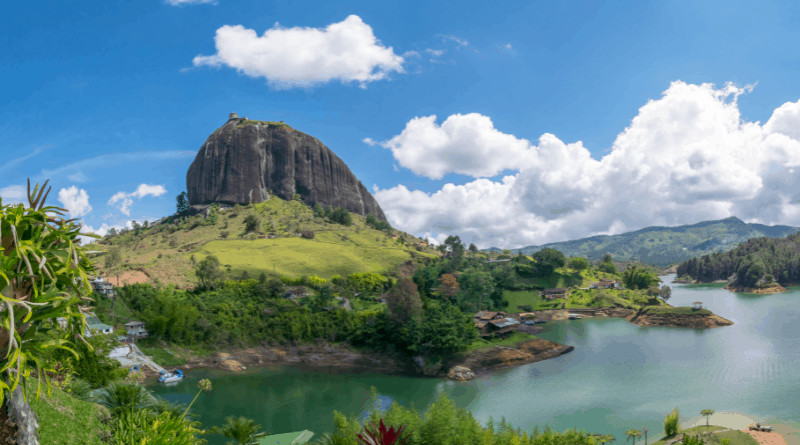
x=245, y=161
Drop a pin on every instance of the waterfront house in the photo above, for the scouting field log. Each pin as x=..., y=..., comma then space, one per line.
x=95, y=326
x=491, y=324
x=552, y=294
x=136, y=329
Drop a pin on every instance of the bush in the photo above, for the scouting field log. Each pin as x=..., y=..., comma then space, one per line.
x=671, y=425
x=252, y=224
x=341, y=216
x=307, y=234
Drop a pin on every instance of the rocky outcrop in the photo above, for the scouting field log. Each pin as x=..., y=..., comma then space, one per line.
x=246, y=161
x=498, y=357
x=460, y=373
x=701, y=320
x=775, y=289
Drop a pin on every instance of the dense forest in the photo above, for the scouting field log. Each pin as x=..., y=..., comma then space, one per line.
x=759, y=262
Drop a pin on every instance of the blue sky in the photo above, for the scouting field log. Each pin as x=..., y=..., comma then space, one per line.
x=112, y=100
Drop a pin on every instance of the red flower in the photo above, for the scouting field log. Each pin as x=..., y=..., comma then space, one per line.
x=381, y=435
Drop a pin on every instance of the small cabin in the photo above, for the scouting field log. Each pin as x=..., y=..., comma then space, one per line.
x=697, y=305
x=606, y=284
x=136, y=329
x=95, y=326
x=552, y=294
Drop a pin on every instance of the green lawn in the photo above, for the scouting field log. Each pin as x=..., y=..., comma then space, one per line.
x=328, y=254
x=511, y=340
x=518, y=298
x=65, y=420
x=682, y=310
x=160, y=354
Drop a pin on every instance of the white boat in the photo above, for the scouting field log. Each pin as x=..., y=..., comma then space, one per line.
x=169, y=377
x=574, y=316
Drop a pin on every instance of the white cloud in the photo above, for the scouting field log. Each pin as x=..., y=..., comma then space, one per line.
x=189, y=2
x=124, y=200
x=464, y=143
x=686, y=157
x=75, y=200
x=346, y=51
x=13, y=194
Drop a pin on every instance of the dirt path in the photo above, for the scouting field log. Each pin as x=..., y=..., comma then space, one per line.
x=763, y=438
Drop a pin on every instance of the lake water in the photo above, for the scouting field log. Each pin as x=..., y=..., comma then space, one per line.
x=619, y=376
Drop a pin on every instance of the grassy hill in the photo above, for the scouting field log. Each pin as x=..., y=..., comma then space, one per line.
x=167, y=251
x=668, y=245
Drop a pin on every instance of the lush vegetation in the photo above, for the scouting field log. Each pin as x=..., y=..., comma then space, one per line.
x=668, y=245
x=445, y=424
x=759, y=262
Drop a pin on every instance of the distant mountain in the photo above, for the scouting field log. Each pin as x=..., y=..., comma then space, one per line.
x=668, y=245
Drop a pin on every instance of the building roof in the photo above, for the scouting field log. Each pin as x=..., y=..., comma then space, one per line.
x=94, y=323
x=504, y=322
x=558, y=290
x=133, y=324
x=298, y=437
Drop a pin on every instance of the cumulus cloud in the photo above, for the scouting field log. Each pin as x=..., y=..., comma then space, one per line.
x=75, y=200
x=686, y=157
x=464, y=143
x=13, y=194
x=346, y=51
x=124, y=201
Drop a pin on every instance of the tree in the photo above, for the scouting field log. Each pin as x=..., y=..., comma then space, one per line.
x=242, y=430
x=665, y=292
x=453, y=244
x=252, y=224
x=182, y=203
x=208, y=272
x=707, y=413
x=547, y=260
x=448, y=285
x=473, y=248
x=607, y=264
x=341, y=216
x=42, y=277
x=671, y=423
x=578, y=263
x=638, y=277
x=403, y=301
x=632, y=435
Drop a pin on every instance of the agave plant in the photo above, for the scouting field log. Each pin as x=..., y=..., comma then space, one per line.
x=380, y=435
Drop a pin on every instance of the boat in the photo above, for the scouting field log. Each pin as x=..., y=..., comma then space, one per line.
x=574, y=316
x=169, y=377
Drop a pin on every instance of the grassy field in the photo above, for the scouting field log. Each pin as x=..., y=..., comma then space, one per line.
x=65, y=420
x=329, y=253
x=511, y=340
x=576, y=298
x=682, y=310
x=167, y=253
x=160, y=354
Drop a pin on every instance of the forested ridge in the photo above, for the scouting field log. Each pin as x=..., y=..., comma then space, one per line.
x=758, y=262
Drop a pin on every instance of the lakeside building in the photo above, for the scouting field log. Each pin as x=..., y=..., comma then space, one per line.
x=95, y=326
x=606, y=284
x=495, y=324
x=554, y=293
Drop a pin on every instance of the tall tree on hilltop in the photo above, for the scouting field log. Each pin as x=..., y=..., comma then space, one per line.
x=182, y=203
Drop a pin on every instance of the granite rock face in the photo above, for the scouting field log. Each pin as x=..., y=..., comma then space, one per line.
x=245, y=161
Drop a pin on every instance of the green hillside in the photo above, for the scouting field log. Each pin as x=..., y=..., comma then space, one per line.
x=291, y=241
x=668, y=245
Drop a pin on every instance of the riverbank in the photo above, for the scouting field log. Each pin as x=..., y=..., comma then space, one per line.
x=776, y=289
x=783, y=433
x=683, y=317
x=343, y=358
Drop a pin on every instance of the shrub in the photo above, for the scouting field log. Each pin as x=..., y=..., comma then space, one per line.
x=307, y=234
x=671, y=423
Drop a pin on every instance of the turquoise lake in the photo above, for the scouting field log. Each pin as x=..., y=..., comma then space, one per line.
x=619, y=376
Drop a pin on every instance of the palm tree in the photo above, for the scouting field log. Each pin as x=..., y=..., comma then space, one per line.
x=632, y=435
x=120, y=396
x=707, y=413
x=603, y=438
x=242, y=430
